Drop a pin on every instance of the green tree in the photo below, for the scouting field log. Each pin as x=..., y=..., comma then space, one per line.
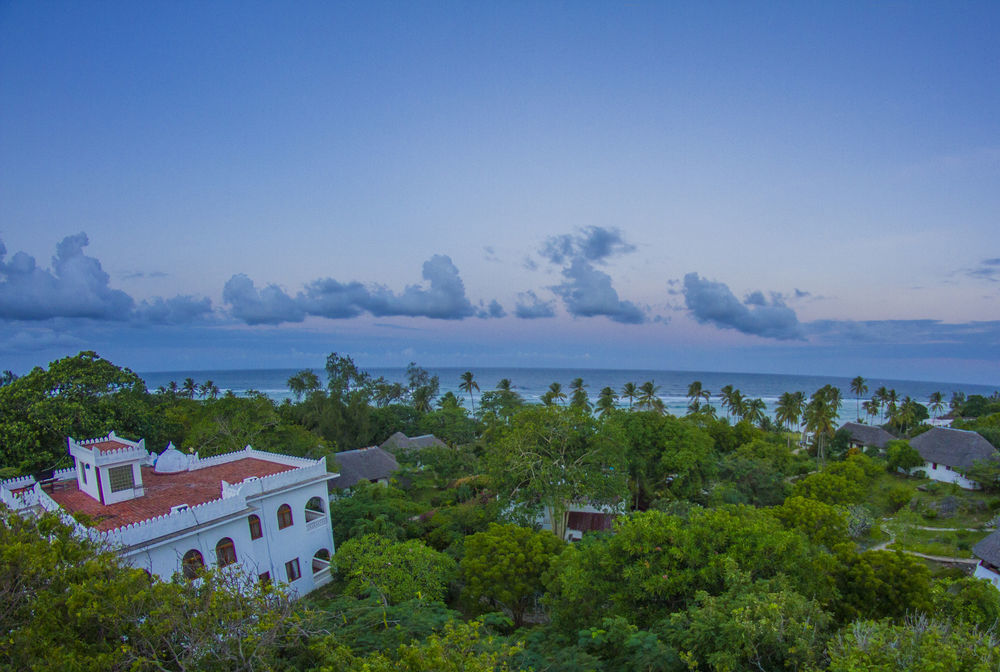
x=579, y=398
x=918, y=644
x=936, y=402
x=901, y=455
x=648, y=395
x=552, y=457
x=880, y=584
x=555, y=393
x=468, y=384
x=606, y=401
x=82, y=397
x=859, y=387
x=824, y=524
x=762, y=625
x=630, y=392
x=504, y=565
x=394, y=571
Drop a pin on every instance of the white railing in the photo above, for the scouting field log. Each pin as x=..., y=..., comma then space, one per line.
x=316, y=524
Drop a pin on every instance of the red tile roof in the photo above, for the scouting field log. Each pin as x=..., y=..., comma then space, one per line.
x=106, y=446
x=163, y=491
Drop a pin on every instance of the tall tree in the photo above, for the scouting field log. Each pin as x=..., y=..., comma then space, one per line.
x=504, y=385
x=630, y=392
x=190, y=388
x=820, y=415
x=858, y=387
x=303, y=383
x=756, y=411
x=468, y=384
x=647, y=395
x=553, y=457
x=579, y=397
x=606, y=400
x=725, y=398
x=555, y=392
x=936, y=401
x=695, y=391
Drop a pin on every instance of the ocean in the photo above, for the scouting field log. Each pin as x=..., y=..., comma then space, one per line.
x=533, y=383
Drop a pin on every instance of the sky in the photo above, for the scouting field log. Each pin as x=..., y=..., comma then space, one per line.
x=804, y=187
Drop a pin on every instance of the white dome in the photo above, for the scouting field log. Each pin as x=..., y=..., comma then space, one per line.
x=171, y=461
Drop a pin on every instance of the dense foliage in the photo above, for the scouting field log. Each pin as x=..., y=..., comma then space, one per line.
x=734, y=547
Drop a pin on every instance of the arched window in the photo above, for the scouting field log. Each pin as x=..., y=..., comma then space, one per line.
x=225, y=552
x=314, y=509
x=284, y=516
x=255, y=530
x=320, y=561
x=192, y=563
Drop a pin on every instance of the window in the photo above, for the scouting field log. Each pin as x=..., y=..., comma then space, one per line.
x=255, y=531
x=314, y=509
x=192, y=563
x=225, y=552
x=284, y=516
x=292, y=570
x=264, y=578
x=121, y=478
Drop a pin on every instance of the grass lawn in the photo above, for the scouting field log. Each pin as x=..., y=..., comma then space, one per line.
x=937, y=542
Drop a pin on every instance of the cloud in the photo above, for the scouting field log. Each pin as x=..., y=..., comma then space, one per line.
x=492, y=310
x=270, y=305
x=713, y=303
x=920, y=332
x=530, y=307
x=442, y=297
x=141, y=275
x=587, y=292
x=490, y=254
x=593, y=243
x=988, y=269
x=76, y=286
x=178, y=310
x=328, y=298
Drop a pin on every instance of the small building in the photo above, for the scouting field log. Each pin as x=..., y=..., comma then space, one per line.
x=988, y=552
x=867, y=436
x=949, y=453
x=264, y=514
x=400, y=442
x=364, y=464
x=582, y=518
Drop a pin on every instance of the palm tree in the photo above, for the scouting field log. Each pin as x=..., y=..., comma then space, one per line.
x=882, y=394
x=630, y=392
x=504, y=385
x=858, y=387
x=422, y=398
x=871, y=407
x=606, y=400
x=555, y=392
x=936, y=401
x=190, y=388
x=738, y=405
x=726, y=399
x=468, y=385
x=819, y=416
x=756, y=411
x=580, y=399
x=648, y=390
x=787, y=410
x=694, y=392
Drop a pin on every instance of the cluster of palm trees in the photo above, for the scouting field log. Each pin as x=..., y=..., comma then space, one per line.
x=189, y=389
x=644, y=397
x=887, y=406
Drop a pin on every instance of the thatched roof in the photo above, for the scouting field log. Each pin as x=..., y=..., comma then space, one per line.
x=363, y=464
x=956, y=448
x=400, y=441
x=989, y=549
x=867, y=435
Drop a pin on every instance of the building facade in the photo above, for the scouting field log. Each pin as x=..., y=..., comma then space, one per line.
x=263, y=514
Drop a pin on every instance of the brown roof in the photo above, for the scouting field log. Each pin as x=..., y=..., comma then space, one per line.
x=363, y=464
x=867, y=435
x=953, y=447
x=989, y=549
x=163, y=491
x=106, y=446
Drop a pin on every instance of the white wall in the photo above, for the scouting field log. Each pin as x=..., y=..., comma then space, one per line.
x=983, y=573
x=946, y=475
x=254, y=556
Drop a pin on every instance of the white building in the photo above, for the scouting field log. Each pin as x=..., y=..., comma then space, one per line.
x=949, y=454
x=264, y=513
x=988, y=552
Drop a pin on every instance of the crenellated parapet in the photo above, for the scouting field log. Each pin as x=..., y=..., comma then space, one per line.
x=174, y=522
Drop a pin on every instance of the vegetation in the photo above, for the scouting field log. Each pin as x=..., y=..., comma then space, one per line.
x=733, y=547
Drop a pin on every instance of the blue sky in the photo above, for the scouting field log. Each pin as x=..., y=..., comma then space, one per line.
x=772, y=187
